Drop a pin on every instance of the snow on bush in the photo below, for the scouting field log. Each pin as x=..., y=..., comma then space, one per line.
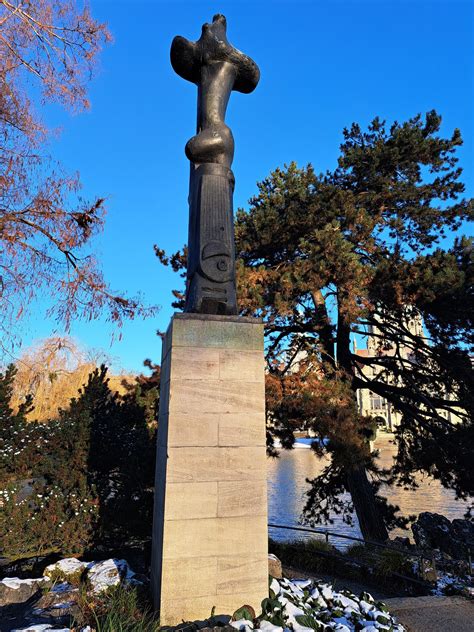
x=312, y=606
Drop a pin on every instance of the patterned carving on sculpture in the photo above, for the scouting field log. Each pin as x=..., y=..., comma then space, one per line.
x=217, y=68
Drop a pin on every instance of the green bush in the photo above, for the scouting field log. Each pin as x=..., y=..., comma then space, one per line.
x=393, y=562
x=47, y=503
x=82, y=480
x=361, y=552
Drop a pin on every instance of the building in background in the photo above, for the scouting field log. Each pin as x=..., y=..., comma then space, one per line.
x=372, y=404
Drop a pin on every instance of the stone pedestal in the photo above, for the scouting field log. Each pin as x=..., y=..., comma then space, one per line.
x=210, y=517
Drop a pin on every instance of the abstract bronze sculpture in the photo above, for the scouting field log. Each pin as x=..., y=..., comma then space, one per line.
x=217, y=68
x=211, y=430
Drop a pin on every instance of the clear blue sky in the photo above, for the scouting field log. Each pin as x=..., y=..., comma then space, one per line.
x=323, y=65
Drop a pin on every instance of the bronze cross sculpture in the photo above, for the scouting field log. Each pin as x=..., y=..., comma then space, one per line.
x=217, y=68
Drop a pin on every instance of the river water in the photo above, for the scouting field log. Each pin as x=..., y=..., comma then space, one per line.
x=287, y=486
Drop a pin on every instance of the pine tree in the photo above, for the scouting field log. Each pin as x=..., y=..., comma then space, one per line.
x=119, y=460
x=325, y=257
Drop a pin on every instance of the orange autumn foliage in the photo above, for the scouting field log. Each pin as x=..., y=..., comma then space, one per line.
x=52, y=372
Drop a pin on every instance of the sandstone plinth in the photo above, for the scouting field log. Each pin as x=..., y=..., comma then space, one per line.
x=210, y=519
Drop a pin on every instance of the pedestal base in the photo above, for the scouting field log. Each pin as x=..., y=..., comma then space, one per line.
x=210, y=534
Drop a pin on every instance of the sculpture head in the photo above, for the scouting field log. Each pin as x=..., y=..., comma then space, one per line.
x=188, y=58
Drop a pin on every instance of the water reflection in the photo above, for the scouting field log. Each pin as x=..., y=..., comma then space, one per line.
x=287, y=486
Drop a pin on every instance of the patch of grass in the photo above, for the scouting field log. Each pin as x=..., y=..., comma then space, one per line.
x=315, y=556
x=383, y=561
x=393, y=562
x=47, y=588
x=361, y=553
x=120, y=609
x=58, y=576
x=304, y=554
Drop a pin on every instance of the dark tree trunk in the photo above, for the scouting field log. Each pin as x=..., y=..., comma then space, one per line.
x=324, y=327
x=363, y=496
x=370, y=520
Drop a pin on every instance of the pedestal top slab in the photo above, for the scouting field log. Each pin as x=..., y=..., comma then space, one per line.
x=216, y=317
x=214, y=331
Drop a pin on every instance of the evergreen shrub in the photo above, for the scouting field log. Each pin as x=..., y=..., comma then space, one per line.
x=77, y=482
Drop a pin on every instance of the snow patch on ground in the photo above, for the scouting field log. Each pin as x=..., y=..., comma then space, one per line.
x=108, y=573
x=450, y=584
x=14, y=583
x=101, y=575
x=40, y=627
x=67, y=566
x=61, y=588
